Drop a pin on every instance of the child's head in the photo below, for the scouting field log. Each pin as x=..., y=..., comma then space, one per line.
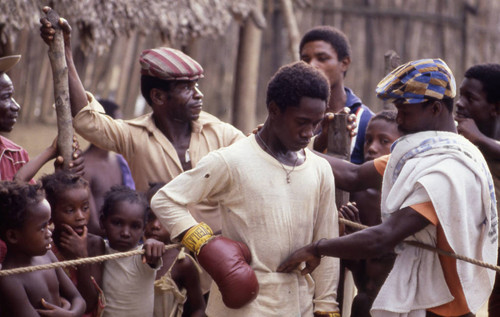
x=24, y=218
x=111, y=108
x=69, y=198
x=381, y=132
x=123, y=217
x=154, y=228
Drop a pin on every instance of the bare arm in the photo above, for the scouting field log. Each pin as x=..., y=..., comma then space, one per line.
x=29, y=170
x=15, y=301
x=69, y=292
x=352, y=177
x=189, y=278
x=377, y=240
x=367, y=243
x=488, y=146
x=77, y=95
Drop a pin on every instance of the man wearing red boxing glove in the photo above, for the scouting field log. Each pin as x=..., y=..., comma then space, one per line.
x=276, y=196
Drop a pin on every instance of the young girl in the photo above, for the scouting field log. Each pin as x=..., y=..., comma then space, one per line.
x=128, y=282
x=24, y=221
x=177, y=286
x=68, y=196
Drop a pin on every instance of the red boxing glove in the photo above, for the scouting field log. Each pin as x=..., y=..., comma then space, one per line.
x=227, y=262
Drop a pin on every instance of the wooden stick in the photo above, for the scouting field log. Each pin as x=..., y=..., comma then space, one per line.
x=61, y=90
x=391, y=62
x=292, y=28
x=339, y=145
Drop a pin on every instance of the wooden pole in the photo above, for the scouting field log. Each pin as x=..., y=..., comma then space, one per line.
x=339, y=145
x=247, y=75
x=293, y=29
x=391, y=61
x=61, y=90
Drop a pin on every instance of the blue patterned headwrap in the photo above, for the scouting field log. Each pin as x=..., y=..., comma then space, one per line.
x=417, y=82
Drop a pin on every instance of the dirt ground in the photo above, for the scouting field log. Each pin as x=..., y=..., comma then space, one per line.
x=36, y=137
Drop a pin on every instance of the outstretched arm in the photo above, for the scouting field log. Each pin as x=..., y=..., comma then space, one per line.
x=352, y=177
x=77, y=95
x=29, y=170
x=367, y=243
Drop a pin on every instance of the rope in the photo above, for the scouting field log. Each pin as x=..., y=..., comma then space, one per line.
x=101, y=258
x=429, y=247
x=93, y=259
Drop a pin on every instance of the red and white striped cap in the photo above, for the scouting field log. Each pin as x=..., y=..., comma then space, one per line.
x=169, y=64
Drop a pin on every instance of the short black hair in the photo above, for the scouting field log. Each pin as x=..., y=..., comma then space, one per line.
x=110, y=107
x=119, y=193
x=57, y=183
x=294, y=81
x=335, y=37
x=154, y=187
x=387, y=115
x=150, y=82
x=15, y=200
x=489, y=76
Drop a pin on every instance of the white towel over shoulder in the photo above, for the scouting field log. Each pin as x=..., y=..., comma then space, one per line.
x=451, y=172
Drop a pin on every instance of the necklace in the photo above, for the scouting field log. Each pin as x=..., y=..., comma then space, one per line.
x=287, y=172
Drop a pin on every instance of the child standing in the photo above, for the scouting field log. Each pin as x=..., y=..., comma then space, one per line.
x=177, y=286
x=128, y=283
x=370, y=274
x=24, y=220
x=69, y=198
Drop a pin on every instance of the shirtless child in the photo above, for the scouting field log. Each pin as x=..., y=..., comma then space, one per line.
x=24, y=220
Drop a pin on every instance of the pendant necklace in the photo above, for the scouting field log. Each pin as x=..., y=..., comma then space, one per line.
x=282, y=166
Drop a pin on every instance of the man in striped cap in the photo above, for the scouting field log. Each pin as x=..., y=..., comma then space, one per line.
x=164, y=143
x=436, y=190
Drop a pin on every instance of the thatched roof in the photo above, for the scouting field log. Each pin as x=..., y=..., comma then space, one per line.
x=99, y=21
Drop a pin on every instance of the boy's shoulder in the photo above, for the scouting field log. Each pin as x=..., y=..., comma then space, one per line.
x=30, y=279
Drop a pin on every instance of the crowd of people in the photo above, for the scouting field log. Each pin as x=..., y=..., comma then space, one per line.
x=235, y=225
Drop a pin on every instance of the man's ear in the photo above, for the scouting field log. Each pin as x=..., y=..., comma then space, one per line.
x=12, y=236
x=274, y=110
x=157, y=96
x=437, y=106
x=346, y=62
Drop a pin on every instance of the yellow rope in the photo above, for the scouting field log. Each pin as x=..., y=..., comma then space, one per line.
x=93, y=259
x=430, y=248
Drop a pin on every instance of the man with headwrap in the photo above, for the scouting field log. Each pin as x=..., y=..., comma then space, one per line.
x=436, y=189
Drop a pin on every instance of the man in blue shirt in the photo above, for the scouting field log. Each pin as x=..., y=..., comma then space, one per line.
x=328, y=49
